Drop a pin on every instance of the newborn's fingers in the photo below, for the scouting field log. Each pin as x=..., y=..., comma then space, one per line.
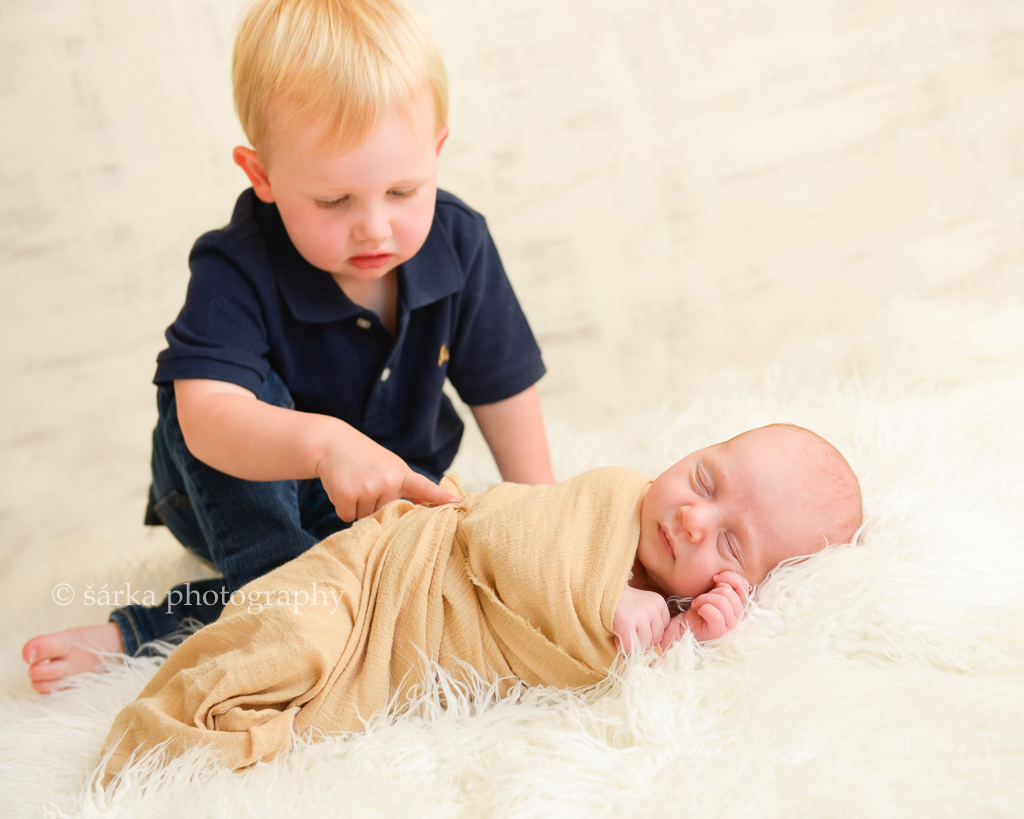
x=673, y=631
x=658, y=630
x=714, y=620
x=725, y=599
x=626, y=642
x=736, y=582
x=643, y=636
x=728, y=593
x=659, y=621
x=730, y=611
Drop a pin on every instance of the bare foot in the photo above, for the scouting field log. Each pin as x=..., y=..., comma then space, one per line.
x=53, y=658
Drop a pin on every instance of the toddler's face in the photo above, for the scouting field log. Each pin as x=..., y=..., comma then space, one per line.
x=361, y=212
x=745, y=505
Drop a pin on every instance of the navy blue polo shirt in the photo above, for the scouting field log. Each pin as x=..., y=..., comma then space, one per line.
x=254, y=305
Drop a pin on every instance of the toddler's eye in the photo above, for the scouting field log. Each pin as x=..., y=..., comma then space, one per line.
x=331, y=203
x=404, y=193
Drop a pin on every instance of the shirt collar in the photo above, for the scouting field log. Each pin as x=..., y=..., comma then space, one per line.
x=312, y=294
x=434, y=272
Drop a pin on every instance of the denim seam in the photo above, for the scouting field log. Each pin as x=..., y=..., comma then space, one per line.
x=211, y=505
x=131, y=622
x=195, y=486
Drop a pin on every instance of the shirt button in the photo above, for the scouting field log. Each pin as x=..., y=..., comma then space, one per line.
x=363, y=323
x=384, y=376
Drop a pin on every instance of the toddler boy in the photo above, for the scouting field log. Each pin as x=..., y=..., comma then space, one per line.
x=539, y=584
x=301, y=387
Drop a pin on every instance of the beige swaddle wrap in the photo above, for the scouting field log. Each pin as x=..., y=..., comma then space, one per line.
x=517, y=582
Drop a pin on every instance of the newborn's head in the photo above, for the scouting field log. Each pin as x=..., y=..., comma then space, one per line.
x=746, y=505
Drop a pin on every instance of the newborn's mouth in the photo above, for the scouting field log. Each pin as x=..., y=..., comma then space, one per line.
x=666, y=542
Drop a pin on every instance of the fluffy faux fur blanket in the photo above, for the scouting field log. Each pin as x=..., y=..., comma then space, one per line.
x=515, y=583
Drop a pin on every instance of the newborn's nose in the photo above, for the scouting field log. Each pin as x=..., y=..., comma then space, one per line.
x=692, y=522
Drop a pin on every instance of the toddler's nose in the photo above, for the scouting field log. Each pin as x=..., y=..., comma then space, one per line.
x=372, y=226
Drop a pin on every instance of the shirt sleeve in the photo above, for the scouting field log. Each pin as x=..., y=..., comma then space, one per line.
x=220, y=333
x=494, y=354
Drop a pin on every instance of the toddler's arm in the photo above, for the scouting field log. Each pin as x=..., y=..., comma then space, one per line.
x=514, y=431
x=640, y=619
x=228, y=428
x=714, y=613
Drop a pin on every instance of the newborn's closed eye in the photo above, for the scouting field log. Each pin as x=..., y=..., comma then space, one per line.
x=703, y=480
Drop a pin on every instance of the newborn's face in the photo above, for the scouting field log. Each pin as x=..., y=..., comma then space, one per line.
x=745, y=505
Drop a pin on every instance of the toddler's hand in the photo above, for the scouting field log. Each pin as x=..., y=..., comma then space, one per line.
x=360, y=479
x=714, y=613
x=639, y=620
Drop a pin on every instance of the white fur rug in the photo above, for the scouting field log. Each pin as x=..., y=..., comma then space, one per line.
x=717, y=215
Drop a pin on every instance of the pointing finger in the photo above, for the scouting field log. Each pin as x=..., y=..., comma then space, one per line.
x=419, y=489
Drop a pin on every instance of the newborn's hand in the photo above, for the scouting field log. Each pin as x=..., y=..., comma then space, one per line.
x=639, y=620
x=714, y=613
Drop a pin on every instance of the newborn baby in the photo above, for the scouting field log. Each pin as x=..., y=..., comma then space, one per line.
x=539, y=584
x=719, y=520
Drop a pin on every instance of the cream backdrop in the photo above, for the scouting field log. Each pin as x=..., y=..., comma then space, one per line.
x=715, y=214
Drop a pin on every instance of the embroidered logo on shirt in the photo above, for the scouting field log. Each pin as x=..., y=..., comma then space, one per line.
x=443, y=356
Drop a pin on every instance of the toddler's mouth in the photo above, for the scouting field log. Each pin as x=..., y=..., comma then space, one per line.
x=368, y=261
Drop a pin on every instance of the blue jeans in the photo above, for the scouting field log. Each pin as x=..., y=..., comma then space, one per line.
x=243, y=528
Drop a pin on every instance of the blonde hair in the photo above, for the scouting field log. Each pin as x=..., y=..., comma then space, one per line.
x=351, y=62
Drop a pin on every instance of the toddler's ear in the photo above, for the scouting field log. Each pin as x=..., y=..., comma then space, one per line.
x=249, y=161
x=442, y=135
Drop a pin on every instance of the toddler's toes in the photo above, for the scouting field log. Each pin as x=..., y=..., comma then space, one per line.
x=54, y=657
x=38, y=649
x=48, y=687
x=55, y=646
x=46, y=676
